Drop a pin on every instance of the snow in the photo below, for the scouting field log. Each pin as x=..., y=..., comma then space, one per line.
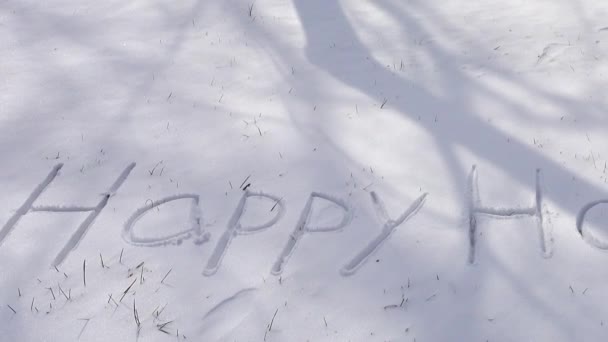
x=303, y=170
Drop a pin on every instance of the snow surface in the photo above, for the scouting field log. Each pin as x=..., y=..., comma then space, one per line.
x=336, y=117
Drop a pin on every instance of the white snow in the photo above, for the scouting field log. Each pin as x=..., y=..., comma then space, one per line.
x=297, y=140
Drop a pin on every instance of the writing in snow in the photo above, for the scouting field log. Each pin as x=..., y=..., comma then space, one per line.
x=303, y=226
